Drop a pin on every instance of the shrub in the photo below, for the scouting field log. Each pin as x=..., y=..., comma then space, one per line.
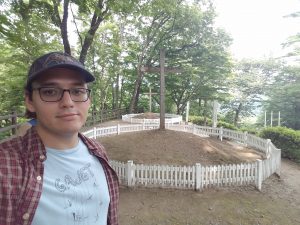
x=227, y=125
x=199, y=120
x=286, y=139
x=250, y=130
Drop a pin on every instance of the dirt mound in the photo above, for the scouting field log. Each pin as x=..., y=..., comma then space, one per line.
x=176, y=148
x=278, y=203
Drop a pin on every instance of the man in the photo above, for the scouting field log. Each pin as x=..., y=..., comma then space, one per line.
x=53, y=174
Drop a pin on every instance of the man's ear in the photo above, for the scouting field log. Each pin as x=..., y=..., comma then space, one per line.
x=28, y=102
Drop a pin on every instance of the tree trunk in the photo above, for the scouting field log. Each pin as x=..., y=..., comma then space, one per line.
x=205, y=112
x=117, y=91
x=64, y=28
x=237, y=114
x=121, y=95
x=136, y=91
x=88, y=40
x=297, y=120
x=113, y=93
x=98, y=17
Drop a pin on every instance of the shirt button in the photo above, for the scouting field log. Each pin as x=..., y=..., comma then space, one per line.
x=42, y=157
x=39, y=178
x=26, y=216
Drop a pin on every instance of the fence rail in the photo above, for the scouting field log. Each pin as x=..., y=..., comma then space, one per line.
x=10, y=123
x=169, y=119
x=196, y=177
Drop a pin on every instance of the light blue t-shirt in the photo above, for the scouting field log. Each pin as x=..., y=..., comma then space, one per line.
x=75, y=190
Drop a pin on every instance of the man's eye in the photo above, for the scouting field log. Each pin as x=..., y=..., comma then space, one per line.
x=49, y=91
x=78, y=91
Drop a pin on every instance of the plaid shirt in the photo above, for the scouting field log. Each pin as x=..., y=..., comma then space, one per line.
x=21, y=178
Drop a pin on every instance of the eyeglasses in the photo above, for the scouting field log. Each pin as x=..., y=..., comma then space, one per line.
x=55, y=94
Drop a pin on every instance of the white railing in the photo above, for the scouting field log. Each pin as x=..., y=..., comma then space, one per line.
x=197, y=176
x=188, y=177
x=169, y=119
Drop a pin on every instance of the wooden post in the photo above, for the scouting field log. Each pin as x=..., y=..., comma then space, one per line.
x=198, y=177
x=129, y=174
x=271, y=118
x=14, y=122
x=150, y=93
x=150, y=100
x=216, y=107
x=118, y=129
x=245, y=138
x=221, y=134
x=162, y=71
x=187, y=112
x=265, y=125
x=94, y=133
x=259, y=174
x=162, y=89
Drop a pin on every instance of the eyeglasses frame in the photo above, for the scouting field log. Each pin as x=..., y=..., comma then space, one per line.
x=63, y=92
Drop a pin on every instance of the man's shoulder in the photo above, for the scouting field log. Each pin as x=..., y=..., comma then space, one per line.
x=11, y=147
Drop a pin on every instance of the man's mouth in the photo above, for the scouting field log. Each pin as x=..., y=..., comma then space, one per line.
x=67, y=115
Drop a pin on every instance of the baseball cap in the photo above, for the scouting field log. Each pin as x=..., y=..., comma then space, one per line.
x=56, y=60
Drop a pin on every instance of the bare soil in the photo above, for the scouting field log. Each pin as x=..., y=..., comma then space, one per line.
x=277, y=204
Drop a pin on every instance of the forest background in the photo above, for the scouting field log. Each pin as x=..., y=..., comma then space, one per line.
x=117, y=39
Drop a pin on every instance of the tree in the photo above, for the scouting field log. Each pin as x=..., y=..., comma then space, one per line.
x=293, y=42
x=178, y=27
x=284, y=96
x=248, y=85
x=23, y=37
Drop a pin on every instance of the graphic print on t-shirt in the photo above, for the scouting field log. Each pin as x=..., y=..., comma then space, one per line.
x=77, y=201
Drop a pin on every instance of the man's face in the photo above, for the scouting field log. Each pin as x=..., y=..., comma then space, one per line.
x=64, y=117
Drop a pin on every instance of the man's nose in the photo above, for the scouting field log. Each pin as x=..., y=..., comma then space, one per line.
x=66, y=98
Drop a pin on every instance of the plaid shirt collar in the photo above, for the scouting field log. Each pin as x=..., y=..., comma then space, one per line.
x=36, y=148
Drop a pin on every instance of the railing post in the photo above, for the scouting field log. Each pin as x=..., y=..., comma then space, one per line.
x=14, y=122
x=268, y=152
x=118, y=129
x=101, y=116
x=245, y=137
x=221, y=134
x=95, y=133
x=130, y=173
x=198, y=177
x=278, y=162
x=259, y=174
x=194, y=129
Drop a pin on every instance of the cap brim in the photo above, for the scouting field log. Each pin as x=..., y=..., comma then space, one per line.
x=86, y=75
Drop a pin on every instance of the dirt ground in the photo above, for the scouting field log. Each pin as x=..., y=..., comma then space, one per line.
x=277, y=204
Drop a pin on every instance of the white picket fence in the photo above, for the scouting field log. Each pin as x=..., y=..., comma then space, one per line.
x=169, y=119
x=197, y=176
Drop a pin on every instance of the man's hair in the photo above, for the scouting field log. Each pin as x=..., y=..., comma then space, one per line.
x=28, y=114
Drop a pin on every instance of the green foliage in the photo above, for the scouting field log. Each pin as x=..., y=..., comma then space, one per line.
x=24, y=35
x=250, y=130
x=286, y=139
x=284, y=97
x=201, y=121
x=226, y=125
x=247, y=85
